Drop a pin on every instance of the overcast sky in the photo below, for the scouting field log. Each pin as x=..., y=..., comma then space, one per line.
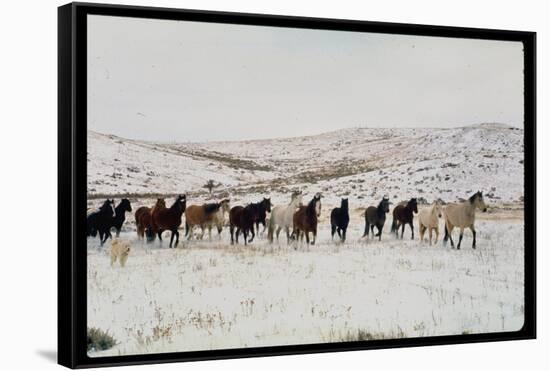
x=190, y=81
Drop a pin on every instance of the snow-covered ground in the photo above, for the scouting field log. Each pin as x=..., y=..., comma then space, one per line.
x=362, y=163
x=211, y=295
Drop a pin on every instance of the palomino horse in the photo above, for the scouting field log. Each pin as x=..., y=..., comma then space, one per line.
x=375, y=216
x=339, y=220
x=169, y=219
x=120, y=214
x=281, y=217
x=463, y=215
x=404, y=214
x=206, y=215
x=101, y=221
x=428, y=219
x=243, y=219
x=305, y=219
x=144, y=220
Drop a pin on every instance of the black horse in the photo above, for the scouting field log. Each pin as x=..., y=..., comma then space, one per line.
x=376, y=216
x=403, y=214
x=101, y=221
x=262, y=208
x=242, y=219
x=120, y=216
x=339, y=220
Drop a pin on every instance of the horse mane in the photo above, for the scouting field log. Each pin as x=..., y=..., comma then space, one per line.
x=211, y=208
x=310, y=208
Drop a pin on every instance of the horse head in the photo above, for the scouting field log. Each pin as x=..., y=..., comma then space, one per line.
x=267, y=204
x=344, y=204
x=108, y=207
x=317, y=200
x=224, y=204
x=413, y=205
x=438, y=208
x=477, y=201
x=181, y=202
x=384, y=204
x=125, y=205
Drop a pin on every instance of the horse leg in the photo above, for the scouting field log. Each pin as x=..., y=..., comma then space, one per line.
x=430, y=230
x=220, y=228
x=460, y=238
x=253, y=234
x=210, y=232
x=307, y=236
x=366, y=233
x=379, y=234
x=202, y=231
x=421, y=231
x=171, y=239
x=177, y=237
x=231, y=230
x=159, y=234
x=412, y=230
x=245, y=234
x=344, y=234
x=474, y=234
x=402, y=230
x=436, y=234
x=314, y=232
x=332, y=230
x=117, y=232
x=339, y=231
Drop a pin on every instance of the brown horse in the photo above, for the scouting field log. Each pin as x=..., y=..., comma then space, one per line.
x=144, y=220
x=143, y=223
x=305, y=219
x=243, y=219
x=168, y=219
x=403, y=214
x=206, y=215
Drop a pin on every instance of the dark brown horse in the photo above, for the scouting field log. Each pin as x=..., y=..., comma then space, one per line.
x=375, y=216
x=168, y=219
x=243, y=219
x=305, y=219
x=404, y=214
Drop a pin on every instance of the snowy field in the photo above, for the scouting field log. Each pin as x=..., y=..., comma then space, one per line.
x=211, y=295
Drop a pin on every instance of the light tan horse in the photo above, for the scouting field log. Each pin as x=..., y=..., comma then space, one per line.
x=428, y=219
x=463, y=215
x=206, y=216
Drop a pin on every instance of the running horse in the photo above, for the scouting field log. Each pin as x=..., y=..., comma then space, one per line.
x=206, y=216
x=169, y=219
x=463, y=215
x=404, y=214
x=306, y=218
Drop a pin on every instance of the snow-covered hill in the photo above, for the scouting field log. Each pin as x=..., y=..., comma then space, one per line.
x=362, y=163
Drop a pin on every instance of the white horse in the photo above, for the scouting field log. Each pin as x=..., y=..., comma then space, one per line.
x=428, y=219
x=281, y=217
x=463, y=215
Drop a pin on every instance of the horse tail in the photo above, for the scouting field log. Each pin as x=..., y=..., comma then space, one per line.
x=393, y=225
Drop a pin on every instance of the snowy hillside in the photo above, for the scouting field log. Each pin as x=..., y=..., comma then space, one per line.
x=363, y=163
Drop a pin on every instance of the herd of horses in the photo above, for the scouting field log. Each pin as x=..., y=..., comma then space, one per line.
x=295, y=218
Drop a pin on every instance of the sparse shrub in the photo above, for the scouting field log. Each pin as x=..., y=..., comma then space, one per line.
x=98, y=339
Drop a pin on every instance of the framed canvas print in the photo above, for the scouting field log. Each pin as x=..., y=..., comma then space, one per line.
x=236, y=185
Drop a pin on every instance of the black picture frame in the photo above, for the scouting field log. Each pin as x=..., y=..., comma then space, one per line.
x=72, y=128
